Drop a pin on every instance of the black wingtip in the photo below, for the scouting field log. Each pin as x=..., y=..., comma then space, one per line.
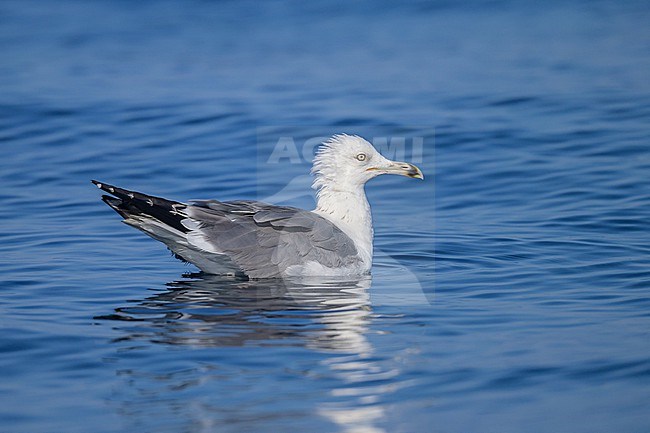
x=127, y=202
x=118, y=192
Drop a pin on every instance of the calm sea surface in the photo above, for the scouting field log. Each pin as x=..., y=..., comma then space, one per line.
x=510, y=290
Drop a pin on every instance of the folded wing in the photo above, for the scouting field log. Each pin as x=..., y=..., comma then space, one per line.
x=249, y=237
x=266, y=240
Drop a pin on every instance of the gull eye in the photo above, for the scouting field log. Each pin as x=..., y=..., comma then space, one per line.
x=361, y=157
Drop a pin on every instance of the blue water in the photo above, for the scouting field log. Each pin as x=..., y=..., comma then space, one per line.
x=510, y=290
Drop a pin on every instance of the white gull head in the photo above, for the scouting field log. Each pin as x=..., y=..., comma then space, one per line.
x=342, y=166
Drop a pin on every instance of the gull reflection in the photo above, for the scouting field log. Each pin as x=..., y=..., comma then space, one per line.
x=330, y=318
x=212, y=311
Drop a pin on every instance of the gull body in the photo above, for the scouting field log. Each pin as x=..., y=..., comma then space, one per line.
x=260, y=240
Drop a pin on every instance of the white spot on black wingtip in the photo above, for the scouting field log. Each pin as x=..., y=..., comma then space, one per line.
x=131, y=195
x=99, y=185
x=150, y=202
x=175, y=210
x=111, y=189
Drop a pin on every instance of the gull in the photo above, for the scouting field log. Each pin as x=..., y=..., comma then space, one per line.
x=258, y=240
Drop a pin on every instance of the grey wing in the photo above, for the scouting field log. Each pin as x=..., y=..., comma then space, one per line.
x=264, y=240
